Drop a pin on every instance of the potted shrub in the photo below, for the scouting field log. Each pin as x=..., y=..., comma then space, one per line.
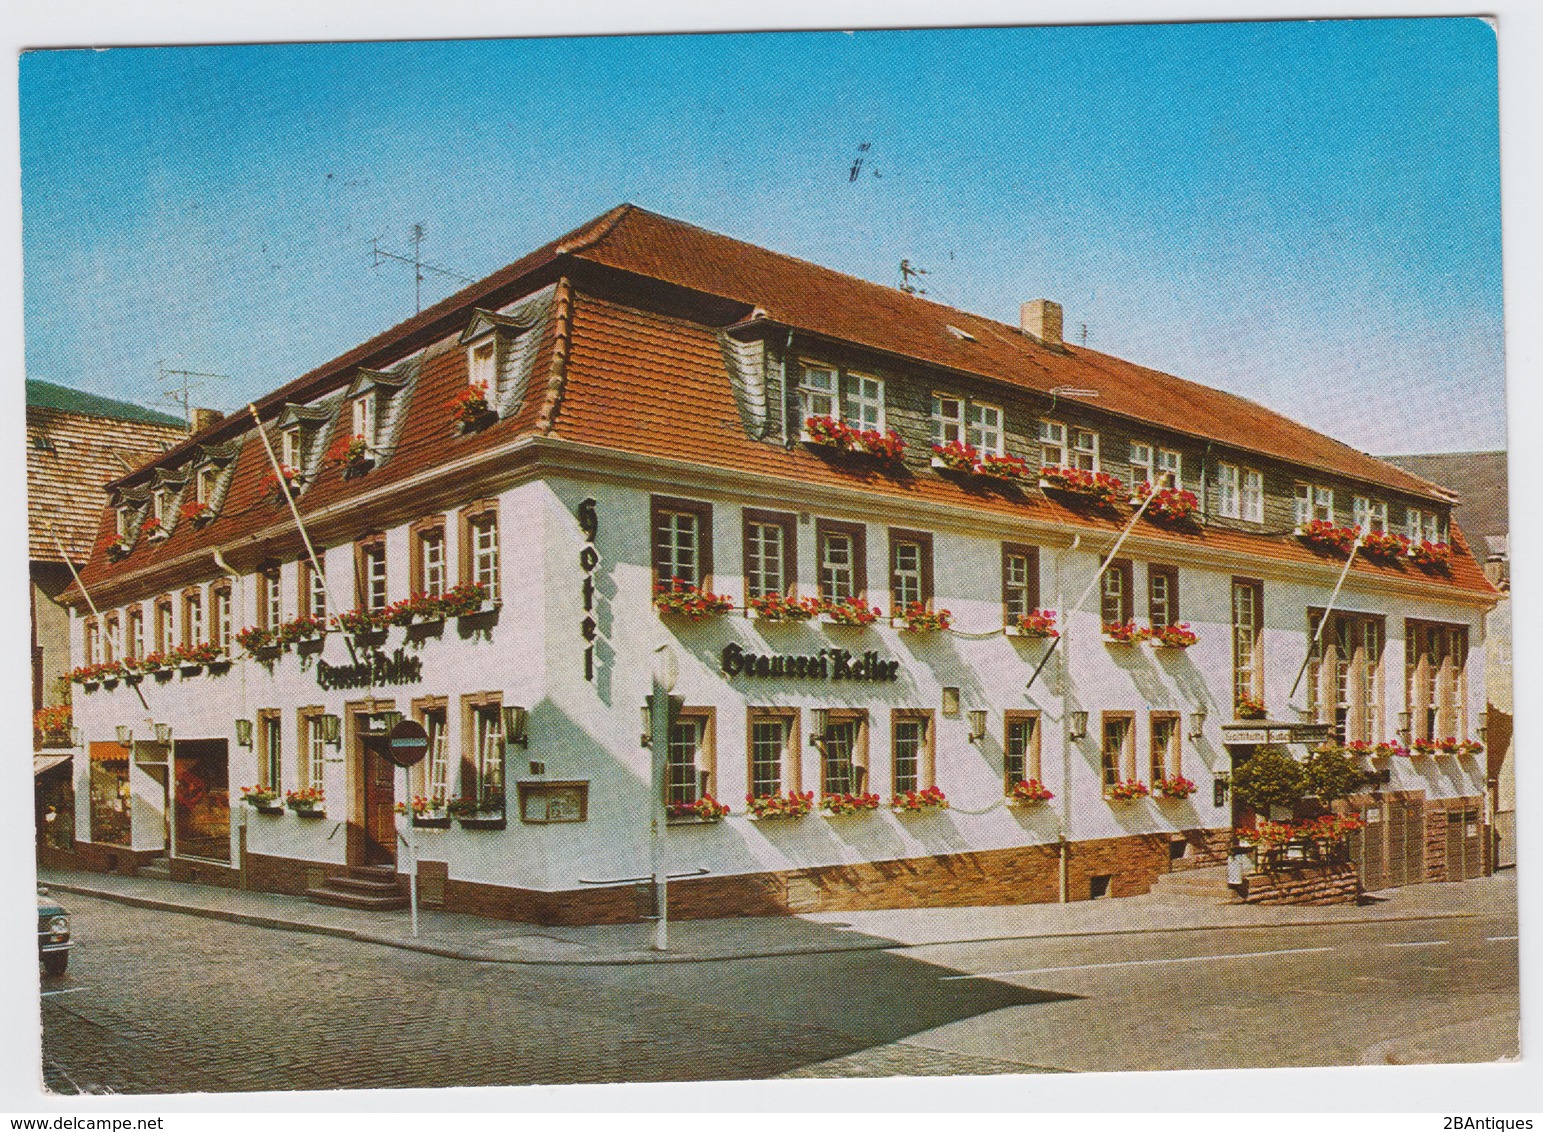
x=919, y=801
x=706, y=810
x=851, y=611
x=1040, y=625
x=955, y=456
x=1324, y=534
x=1174, y=787
x=917, y=618
x=473, y=813
x=469, y=408
x=1127, y=790
x=767, y=807
x=1127, y=634
x=1172, y=636
x=306, y=803
x=263, y=799
x=1332, y=772
x=1270, y=777
x=839, y=804
x=1005, y=467
x=683, y=599
x=1030, y=791
x=1098, y=488
x=778, y=607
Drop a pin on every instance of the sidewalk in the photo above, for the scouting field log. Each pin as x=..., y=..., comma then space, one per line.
x=460, y=936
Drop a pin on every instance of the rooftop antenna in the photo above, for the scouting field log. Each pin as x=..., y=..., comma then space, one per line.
x=907, y=273
x=182, y=386
x=415, y=237
x=1084, y=334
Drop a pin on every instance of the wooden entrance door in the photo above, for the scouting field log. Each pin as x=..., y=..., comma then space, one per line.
x=379, y=810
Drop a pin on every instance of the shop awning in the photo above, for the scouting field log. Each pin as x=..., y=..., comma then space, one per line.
x=40, y=763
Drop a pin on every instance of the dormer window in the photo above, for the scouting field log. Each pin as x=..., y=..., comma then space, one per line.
x=125, y=520
x=1370, y=514
x=161, y=505
x=482, y=366
x=823, y=390
x=364, y=417
x=289, y=447
x=207, y=480
x=1084, y=450
x=496, y=354
x=370, y=417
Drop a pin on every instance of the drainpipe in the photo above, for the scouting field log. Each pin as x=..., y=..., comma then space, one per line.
x=1064, y=840
x=782, y=391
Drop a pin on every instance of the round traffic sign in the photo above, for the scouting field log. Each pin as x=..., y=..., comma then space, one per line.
x=407, y=743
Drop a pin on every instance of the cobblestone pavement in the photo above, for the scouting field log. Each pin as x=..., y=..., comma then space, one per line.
x=159, y=1002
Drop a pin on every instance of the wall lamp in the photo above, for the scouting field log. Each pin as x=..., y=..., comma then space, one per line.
x=646, y=739
x=243, y=732
x=1197, y=719
x=331, y=730
x=517, y=726
x=1483, y=728
x=1220, y=782
x=163, y=733
x=820, y=722
x=977, y=725
x=1077, y=725
x=951, y=702
x=125, y=735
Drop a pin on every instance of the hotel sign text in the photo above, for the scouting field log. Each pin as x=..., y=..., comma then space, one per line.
x=827, y=664
x=374, y=667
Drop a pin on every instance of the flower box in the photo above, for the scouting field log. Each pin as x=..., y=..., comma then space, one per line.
x=1249, y=708
x=917, y=618
x=1038, y=625
x=1030, y=792
x=850, y=611
x=683, y=599
x=955, y=456
x=919, y=801
x=359, y=622
x=470, y=407
x=1173, y=789
x=270, y=484
x=1005, y=468
x=1431, y=555
x=260, y=796
x=352, y=453
x=1428, y=747
x=1172, y=505
x=431, y=821
x=1126, y=791
x=482, y=821
x=777, y=807
x=1173, y=637
x=311, y=812
x=1384, y=546
x=309, y=802
x=706, y=810
x=119, y=549
x=1385, y=750
x=473, y=814
x=272, y=809
x=886, y=448
x=841, y=805
x=1127, y=634
x=1325, y=535
x=777, y=608
x=466, y=600
x=1098, y=488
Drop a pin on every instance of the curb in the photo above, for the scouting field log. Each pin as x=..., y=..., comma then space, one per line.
x=276, y=923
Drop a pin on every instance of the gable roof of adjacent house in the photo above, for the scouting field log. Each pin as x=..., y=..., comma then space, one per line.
x=607, y=371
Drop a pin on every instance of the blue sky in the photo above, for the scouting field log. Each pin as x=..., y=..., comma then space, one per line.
x=1304, y=213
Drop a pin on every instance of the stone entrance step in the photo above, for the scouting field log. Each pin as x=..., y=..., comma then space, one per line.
x=370, y=887
x=1202, y=886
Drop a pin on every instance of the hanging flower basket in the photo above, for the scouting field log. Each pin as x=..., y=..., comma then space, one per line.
x=1097, y=488
x=1173, y=636
x=1175, y=788
x=1030, y=791
x=1040, y=625
x=1127, y=634
x=1325, y=535
x=1435, y=556
x=919, y=801
x=469, y=408
x=705, y=810
x=1384, y=546
x=682, y=599
x=955, y=456
x=767, y=807
x=1127, y=791
x=917, y=618
x=1247, y=707
x=1006, y=468
x=850, y=611
x=779, y=607
x=1172, y=505
x=838, y=804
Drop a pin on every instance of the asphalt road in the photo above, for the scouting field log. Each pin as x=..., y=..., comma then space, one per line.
x=160, y=1002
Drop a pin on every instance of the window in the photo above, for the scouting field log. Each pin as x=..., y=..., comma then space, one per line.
x=482, y=760
x=689, y=760
x=270, y=749
x=270, y=605
x=1116, y=593
x=290, y=454
x=431, y=777
x=161, y=505
x=313, y=756
x=947, y=419
x=682, y=542
x=1423, y=526
x=482, y=367
x=1344, y=674
x=1247, y=640
x=1228, y=497
x=91, y=641
x=817, y=392
x=1302, y=505
x=163, y=624
x=364, y=417
x=192, y=617
x=110, y=638
x=1052, y=444
x=842, y=559
x=1166, y=752
x=1169, y=470
x=1021, y=752
x=134, y=641
x=1371, y=514
x=1163, y=596
x=1253, y=496
x=224, y=631
x=770, y=552
x=985, y=431
x=1117, y=758
x=773, y=736
x=910, y=569
x=1141, y=465
x=1436, y=680
x=911, y=750
x=862, y=402
x=428, y=556
x=479, y=545
x=1085, y=450
x=370, y=573
x=1020, y=581
x=125, y=519
x=313, y=587
x=1323, y=503
x=844, y=764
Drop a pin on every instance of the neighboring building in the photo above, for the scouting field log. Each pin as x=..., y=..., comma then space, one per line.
x=647, y=388
x=1480, y=479
x=77, y=443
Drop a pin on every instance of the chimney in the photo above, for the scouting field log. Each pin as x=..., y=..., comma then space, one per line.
x=1041, y=320
x=203, y=418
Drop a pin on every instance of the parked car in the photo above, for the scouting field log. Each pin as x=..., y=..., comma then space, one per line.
x=54, y=940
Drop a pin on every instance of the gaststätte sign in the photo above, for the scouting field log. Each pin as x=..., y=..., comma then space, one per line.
x=827, y=664
x=374, y=668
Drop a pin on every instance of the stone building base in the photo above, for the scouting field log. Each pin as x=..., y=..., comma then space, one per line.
x=1303, y=884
